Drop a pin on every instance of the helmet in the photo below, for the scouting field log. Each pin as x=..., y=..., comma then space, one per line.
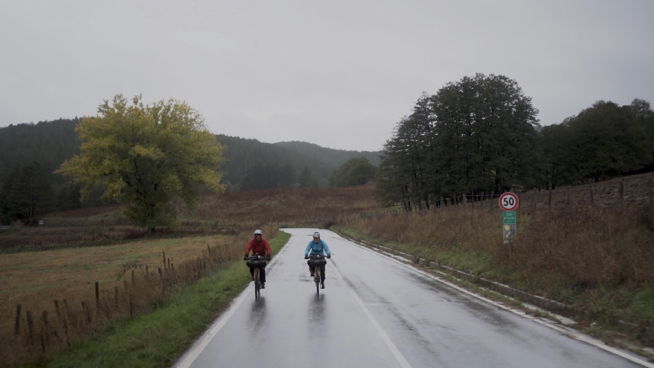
x=258, y=232
x=316, y=235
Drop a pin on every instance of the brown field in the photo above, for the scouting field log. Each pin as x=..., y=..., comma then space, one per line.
x=635, y=191
x=296, y=207
x=37, y=278
x=48, y=299
x=51, y=270
x=225, y=214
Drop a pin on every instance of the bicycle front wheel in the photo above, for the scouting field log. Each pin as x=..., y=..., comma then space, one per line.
x=317, y=280
x=257, y=283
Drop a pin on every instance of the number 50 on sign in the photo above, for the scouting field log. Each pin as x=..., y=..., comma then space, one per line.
x=509, y=201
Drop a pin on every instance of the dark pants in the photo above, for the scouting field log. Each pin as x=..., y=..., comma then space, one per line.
x=322, y=271
x=262, y=274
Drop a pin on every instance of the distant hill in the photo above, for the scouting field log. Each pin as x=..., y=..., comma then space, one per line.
x=249, y=164
x=49, y=143
x=331, y=155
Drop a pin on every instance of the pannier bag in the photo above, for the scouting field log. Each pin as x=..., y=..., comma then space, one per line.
x=316, y=262
x=256, y=263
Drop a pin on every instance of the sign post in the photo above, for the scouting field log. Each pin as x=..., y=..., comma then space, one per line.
x=509, y=203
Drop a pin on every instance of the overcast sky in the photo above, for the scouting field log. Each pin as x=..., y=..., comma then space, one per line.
x=337, y=73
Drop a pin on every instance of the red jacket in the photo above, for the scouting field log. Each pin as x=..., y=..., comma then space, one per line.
x=261, y=248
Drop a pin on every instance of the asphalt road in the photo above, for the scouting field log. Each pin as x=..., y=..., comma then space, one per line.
x=377, y=312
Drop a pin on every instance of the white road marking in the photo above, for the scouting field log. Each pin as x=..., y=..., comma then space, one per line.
x=397, y=354
x=565, y=331
x=201, y=343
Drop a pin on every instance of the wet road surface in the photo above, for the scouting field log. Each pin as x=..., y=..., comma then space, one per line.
x=376, y=312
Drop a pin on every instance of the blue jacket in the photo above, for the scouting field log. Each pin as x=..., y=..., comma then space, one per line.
x=317, y=248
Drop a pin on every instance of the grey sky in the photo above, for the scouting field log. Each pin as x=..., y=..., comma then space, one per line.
x=337, y=73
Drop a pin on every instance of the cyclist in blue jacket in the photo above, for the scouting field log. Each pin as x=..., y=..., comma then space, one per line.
x=317, y=246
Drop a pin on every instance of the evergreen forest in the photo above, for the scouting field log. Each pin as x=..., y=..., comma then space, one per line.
x=479, y=136
x=30, y=153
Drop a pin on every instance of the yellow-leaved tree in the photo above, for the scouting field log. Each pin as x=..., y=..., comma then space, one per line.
x=145, y=156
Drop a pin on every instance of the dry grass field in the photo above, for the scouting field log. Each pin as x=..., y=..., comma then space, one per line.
x=37, y=278
x=51, y=271
x=590, y=246
x=225, y=214
x=49, y=299
x=291, y=207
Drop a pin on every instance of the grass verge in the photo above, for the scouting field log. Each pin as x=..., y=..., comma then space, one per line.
x=158, y=338
x=591, y=309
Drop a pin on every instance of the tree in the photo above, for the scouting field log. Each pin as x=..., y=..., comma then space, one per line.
x=475, y=135
x=145, y=156
x=306, y=179
x=356, y=171
x=26, y=193
x=603, y=141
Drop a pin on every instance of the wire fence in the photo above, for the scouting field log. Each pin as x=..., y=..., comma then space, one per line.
x=630, y=191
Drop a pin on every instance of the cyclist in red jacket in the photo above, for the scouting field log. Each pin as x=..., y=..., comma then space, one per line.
x=259, y=246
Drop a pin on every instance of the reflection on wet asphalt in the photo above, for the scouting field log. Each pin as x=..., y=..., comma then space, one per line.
x=378, y=312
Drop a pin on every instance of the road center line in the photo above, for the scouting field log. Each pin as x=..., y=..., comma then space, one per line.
x=397, y=354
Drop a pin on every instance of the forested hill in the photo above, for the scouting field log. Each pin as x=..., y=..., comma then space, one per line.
x=249, y=164
x=46, y=143
x=317, y=152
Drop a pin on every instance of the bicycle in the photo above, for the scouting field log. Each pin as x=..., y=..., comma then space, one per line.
x=317, y=260
x=256, y=262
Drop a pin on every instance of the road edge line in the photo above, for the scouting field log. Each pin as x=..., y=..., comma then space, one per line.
x=574, y=334
x=188, y=358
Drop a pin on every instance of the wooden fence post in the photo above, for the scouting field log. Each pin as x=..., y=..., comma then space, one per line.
x=131, y=306
x=651, y=200
x=68, y=313
x=97, y=296
x=30, y=328
x=45, y=329
x=62, y=320
x=17, y=322
x=163, y=285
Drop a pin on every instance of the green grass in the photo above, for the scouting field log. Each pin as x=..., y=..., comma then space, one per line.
x=158, y=338
x=643, y=303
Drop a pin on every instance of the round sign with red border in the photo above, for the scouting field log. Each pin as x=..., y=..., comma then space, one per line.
x=509, y=201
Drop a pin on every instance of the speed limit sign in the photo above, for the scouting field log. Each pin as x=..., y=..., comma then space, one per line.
x=509, y=201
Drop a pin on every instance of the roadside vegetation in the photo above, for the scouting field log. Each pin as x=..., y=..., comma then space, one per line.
x=55, y=298
x=597, y=259
x=158, y=338
x=59, y=263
